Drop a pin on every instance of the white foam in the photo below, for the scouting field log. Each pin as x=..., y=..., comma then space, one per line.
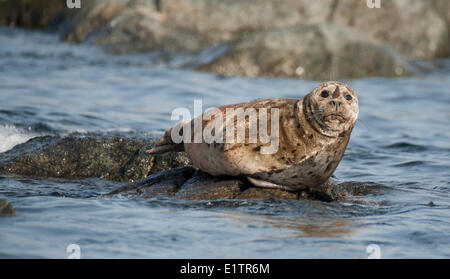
x=11, y=136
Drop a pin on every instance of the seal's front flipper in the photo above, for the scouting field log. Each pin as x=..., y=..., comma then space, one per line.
x=266, y=184
x=166, y=144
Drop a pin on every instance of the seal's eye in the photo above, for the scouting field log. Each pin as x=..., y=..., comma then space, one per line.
x=348, y=97
x=324, y=94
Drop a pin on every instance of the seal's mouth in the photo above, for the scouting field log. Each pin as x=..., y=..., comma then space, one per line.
x=336, y=117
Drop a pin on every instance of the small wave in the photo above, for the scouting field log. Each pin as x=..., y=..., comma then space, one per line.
x=11, y=136
x=410, y=164
x=407, y=147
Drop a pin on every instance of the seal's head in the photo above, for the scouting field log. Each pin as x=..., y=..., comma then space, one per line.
x=332, y=108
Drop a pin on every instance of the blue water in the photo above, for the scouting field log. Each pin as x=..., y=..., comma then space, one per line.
x=48, y=87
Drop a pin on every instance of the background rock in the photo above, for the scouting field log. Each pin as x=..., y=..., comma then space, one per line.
x=29, y=13
x=260, y=33
x=414, y=28
x=321, y=51
x=442, y=7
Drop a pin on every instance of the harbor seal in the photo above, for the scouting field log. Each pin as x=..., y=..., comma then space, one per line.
x=312, y=134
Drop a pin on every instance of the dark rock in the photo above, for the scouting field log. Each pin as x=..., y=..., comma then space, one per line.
x=192, y=184
x=172, y=177
x=123, y=159
x=169, y=160
x=184, y=183
x=344, y=191
x=203, y=186
x=29, y=14
x=167, y=189
x=315, y=52
x=6, y=208
x=358, y=188
x=113, y=158
x=255, y=193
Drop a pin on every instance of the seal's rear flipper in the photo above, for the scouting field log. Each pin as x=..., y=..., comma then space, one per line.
x=266, y=184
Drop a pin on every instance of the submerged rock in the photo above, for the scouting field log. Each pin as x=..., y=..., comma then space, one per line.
x=113, y=158
x=6, y=208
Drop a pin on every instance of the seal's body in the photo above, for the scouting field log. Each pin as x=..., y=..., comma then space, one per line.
x=311, y=138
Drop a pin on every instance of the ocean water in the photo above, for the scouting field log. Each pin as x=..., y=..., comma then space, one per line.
x=48, y=87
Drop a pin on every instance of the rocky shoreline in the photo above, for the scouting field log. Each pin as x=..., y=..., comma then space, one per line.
x=190, y=183
x=170, y=175
x=277, y=38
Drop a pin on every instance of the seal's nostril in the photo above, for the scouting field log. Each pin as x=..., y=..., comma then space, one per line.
x=335, y=103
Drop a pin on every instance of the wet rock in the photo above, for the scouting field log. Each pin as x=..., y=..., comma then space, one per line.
x=6, y=208
x=345, y=191
x=255, y=193
x=203, y=186
x=314, y=52
x=184, y=183
x=167, y=189
x=191, y=184
x=71, y=157
x=355, y=188
x=169, y=160
x=328, y=192
x=159, y=183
